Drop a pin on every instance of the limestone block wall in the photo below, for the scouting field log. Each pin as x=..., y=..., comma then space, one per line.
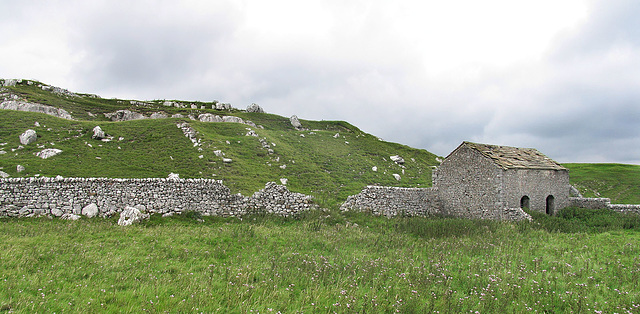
x=395, y=201
x=604, y=203
x=58, y=196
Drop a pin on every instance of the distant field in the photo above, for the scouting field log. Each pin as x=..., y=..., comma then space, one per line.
x=620, y=183
x=325, y=262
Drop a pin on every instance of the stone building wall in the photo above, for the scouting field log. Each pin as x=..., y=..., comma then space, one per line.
x=58, y=196
x=470, y=185
x=537, y=185
x=394, y=201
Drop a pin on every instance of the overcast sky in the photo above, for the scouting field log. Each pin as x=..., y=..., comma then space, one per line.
x=560, y=76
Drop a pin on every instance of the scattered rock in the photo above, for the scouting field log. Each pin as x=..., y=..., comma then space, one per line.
x=4, y=174
x=131, y=215
x=397, y=176
x=19, y=168
x=98, y=133
x=251, y=133
x=397, y=159
x=173, y=176
x=283, y=167
x=49, y=152
x=284, y=181
x=36, y=124
x=29, y=136
x=90, y=210
x=177, y=115
x=255, y=108
x=337, y=135
x=218, y=153
x=227, y=160
x=374, y=169
x=295, y=122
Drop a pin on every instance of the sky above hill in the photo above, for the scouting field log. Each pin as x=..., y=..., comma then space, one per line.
x=560, y=76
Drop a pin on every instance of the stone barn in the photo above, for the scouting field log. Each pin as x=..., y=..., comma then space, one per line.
x=485, y=181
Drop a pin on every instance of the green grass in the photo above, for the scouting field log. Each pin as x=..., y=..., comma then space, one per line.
x=323, y=262
x=620, y=183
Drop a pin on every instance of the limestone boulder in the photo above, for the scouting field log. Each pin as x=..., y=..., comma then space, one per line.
x=19, y=168
x=98, y=133
x=90, y=210
x=29, y=136
x=397, y=159
x=295, y=122
x=131, y=215
x=255, y=108
x=4, y=174
x=397, y=176
x=232, y=119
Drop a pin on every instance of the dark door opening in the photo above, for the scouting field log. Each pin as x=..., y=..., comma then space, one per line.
x=550, y=205
x=524, y=202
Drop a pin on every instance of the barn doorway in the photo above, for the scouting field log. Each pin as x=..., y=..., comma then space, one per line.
x=524, y=202
x=550, y=205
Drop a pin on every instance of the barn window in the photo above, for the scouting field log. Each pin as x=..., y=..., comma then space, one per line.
x=550, y=205
x=524, y=202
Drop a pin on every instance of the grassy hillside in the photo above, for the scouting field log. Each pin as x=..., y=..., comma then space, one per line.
x=620, y=183
x=330, y=160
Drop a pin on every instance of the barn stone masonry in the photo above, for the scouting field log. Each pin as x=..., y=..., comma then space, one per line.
x=59, y=196
x=395, y=201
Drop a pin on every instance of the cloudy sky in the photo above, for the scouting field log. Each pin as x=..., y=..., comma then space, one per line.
x=561, y=76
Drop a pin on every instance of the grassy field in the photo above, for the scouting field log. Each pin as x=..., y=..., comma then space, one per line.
x=325, y=262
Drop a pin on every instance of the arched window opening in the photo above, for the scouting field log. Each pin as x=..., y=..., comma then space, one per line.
x=524, y=202
x=550, y=205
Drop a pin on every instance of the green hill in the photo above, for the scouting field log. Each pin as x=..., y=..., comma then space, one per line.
x=620, y=183
x=328, y=159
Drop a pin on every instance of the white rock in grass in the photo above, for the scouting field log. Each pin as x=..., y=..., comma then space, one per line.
x=131, y=215
x=29, y=136
x=4, y=174
x=374, y=169
x=19, y=168
x=173, y=176
x=397, y=159
x=284, y=181
x=98, y=133
x=397, y=176
x=49, y=152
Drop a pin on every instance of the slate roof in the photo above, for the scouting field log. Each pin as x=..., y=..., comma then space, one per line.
x=508, y=157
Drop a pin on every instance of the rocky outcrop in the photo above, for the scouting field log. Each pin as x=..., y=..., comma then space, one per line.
x=208, y=117
x=28, y=137
x=21, y=105
x=124, y=115
x=397, y=159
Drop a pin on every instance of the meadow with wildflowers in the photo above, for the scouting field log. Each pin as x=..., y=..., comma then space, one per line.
x=324, y=262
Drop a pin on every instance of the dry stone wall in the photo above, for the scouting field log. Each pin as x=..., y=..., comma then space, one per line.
x=394, y=201
x=603, y=203
x=21, y=197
